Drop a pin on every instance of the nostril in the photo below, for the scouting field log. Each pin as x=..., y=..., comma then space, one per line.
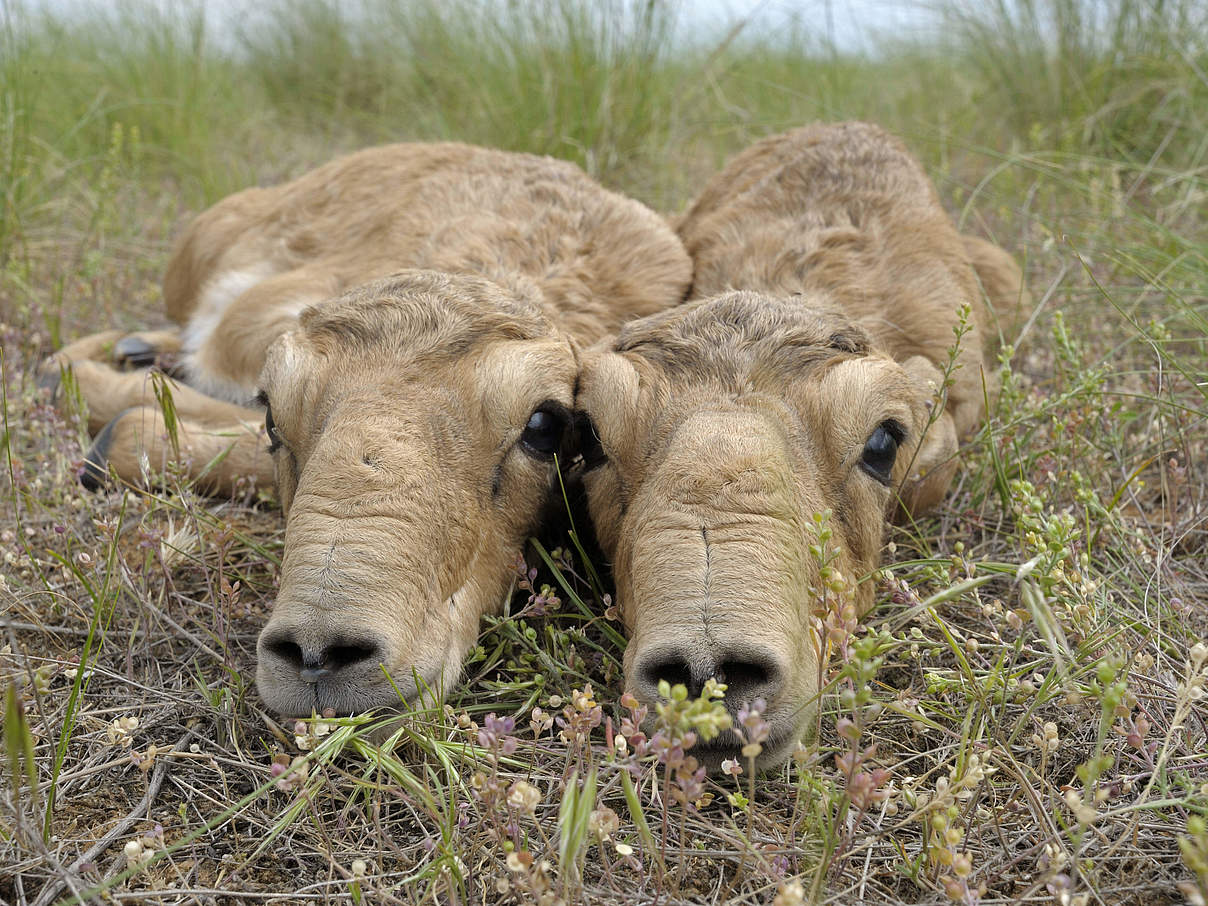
x=672, y=669
x=314, y=663
x=286, y=650
x=748, y=673
x=747, y=680
x=742, y=674
x=338, y=657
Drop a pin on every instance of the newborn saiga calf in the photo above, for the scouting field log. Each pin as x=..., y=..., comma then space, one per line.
x=809, y=377
x=413, y=419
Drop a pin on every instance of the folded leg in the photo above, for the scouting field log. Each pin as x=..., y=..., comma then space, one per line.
x=115, y=347
x=107, y=392
x=219, y=458
x=227, y=337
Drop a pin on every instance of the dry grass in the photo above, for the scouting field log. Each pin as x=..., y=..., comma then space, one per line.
x=1022, y=718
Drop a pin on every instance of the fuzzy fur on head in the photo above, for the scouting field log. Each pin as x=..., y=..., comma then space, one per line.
x=399, y=413
x=725, y=430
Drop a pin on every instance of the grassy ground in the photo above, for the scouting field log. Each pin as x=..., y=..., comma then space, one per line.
x=1021, y=719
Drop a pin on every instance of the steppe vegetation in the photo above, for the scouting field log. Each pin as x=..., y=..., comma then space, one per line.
x=1021, y=719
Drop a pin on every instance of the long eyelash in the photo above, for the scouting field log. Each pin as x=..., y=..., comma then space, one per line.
x=897, y=430
x=274, y=439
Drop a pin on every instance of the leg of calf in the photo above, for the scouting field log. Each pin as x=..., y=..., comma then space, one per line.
x=138, y=447
x=118, y=347
x=115, y=347
x=107, y=392
x=144, y=349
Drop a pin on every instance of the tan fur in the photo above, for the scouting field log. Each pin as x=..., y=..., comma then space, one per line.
x=245, y=269
x=827, y=283
x=599, y=258
x=844, y=211
x=408, y=493
x=406, y=310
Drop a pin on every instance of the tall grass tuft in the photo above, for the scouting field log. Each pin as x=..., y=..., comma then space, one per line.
x=583, y=81
x=1124, y=78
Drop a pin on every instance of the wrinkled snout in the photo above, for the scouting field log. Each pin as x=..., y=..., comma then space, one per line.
x=357, y=623
x=367, y=609
x=760, y=647
x=715, y=575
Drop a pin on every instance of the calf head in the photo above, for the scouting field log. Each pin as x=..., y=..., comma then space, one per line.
x=414, y=423
x=720, y=431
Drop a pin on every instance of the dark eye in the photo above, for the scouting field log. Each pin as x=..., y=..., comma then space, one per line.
x=543, y=433
x=881, y=451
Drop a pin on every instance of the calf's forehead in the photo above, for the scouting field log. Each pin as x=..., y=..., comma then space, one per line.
x=804, y=389
x=487, y=365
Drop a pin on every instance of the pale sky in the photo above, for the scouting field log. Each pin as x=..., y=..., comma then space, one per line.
x=851, y=24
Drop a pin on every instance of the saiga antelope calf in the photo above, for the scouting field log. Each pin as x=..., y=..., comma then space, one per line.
x=808, y=376
x=413, y=420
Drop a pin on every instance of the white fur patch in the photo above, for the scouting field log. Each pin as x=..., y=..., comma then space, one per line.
x=215, y=299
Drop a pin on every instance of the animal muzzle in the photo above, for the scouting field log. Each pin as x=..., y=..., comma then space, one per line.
x=726, y=605
x=305, y=667
x=358, y=621
x=750, y=671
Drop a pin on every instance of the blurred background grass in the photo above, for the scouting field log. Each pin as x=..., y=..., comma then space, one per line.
x=1020, y=105
x=622, y=87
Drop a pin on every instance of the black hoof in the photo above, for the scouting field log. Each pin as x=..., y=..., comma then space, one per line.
x=94, y=474
x=134, y=352
x=49, y=382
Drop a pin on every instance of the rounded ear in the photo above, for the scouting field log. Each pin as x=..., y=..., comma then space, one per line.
x=286, y=357
x=285, y=381
x=932, y=465
x=932, y=471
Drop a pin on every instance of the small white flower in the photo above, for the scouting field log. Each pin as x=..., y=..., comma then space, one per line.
x=789, y=893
